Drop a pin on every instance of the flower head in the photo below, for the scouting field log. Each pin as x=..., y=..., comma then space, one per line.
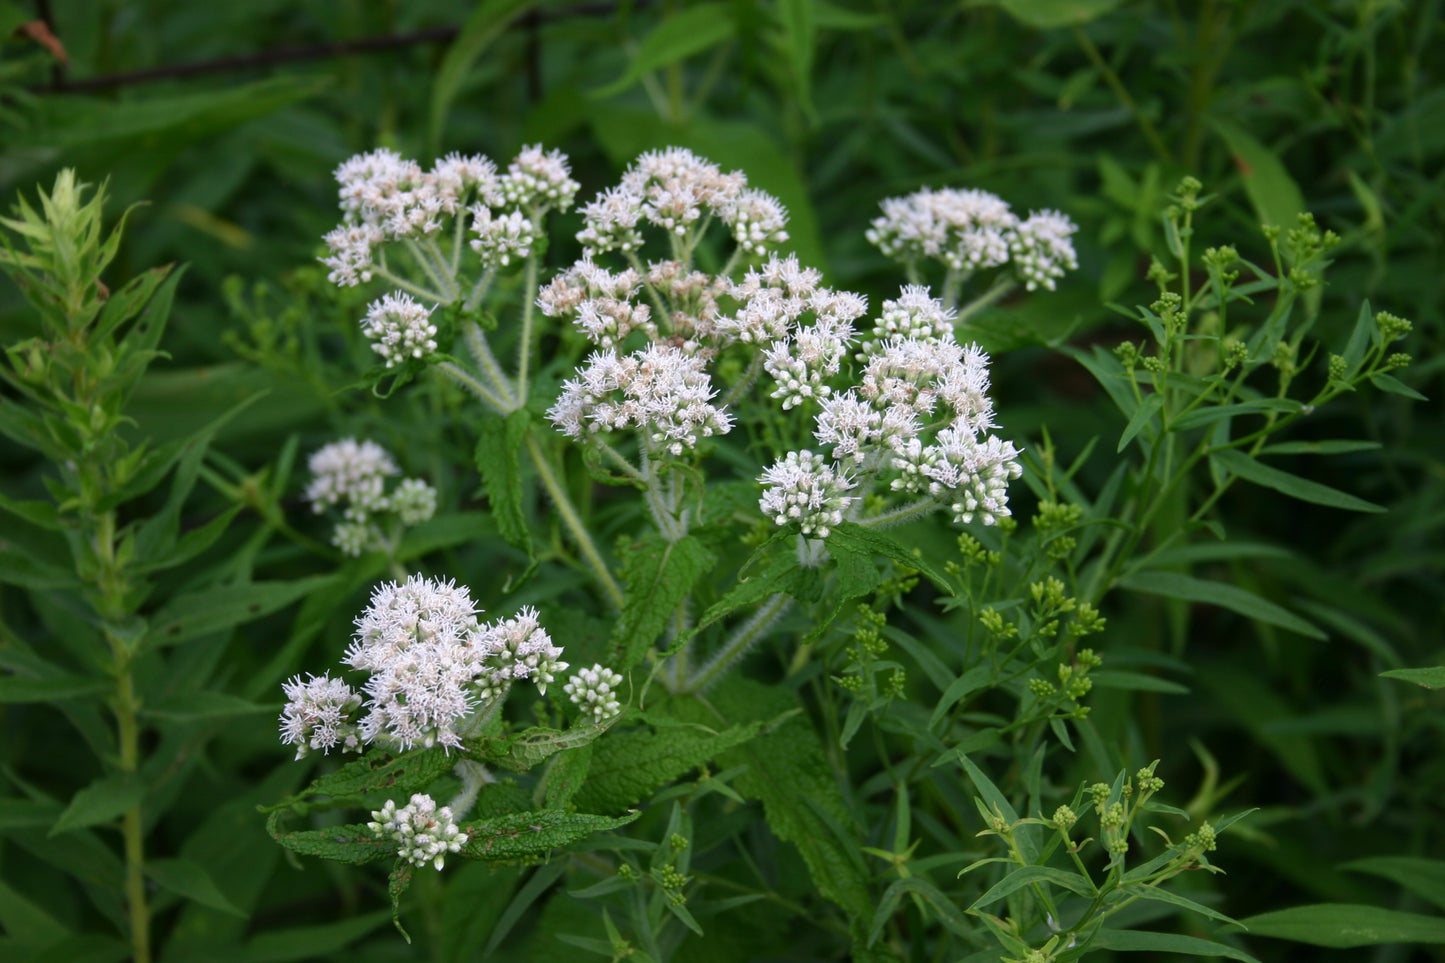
x=399, y=328
x=594, y=690
x=318, y=715
x=348, y=471
x=423, y=833
x=805, y=488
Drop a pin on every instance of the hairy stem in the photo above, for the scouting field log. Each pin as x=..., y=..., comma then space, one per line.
x=738, y=643
x=573, y=521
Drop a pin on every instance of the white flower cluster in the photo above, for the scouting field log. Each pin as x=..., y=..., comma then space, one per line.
x=353, y=475
x=660, y=390
x=423, y=833
x=598, y=302
x=386, y=197
x=920, y=413
x=805, y=488
x=318, y=715
x=594, y=691
x=432, y=664
x=399, y=328
x=677, y=191
x=970, y=230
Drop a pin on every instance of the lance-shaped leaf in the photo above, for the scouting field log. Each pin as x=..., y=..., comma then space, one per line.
x=519, y=835
x=630, y=765
x=403, y=775
x=352, y=843
x=658, y=574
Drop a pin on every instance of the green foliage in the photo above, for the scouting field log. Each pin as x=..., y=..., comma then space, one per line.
x=1224, y=553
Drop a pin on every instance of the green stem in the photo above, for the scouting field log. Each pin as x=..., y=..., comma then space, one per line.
x=529, y=287
x=132, y=826
x=1121, y=92
x=573, y=521
x=900, y=515
x=470, y=381
x=743, y=639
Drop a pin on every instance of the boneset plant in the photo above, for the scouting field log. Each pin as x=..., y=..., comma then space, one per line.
x=781, y=439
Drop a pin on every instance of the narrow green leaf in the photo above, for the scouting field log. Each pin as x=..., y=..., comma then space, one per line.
x=966, y=684
x=800, y=31
x=1143, y=415
x=101, y=802
x=1026, y=837
x=1048, y=14
x=42, y=514
x=1346, y=925
x=1394, y=386
x=1139, y=941
x=1423, y=877
x=1135, y=682
x=1273, y=192
x=189, y=879
x=688, y=31
x=1336, y=447
x=16, y=689
x=487, y=21
x=1432, y=677
x=1189, y=589
x=1209, y=414
x=202, y=612
x=1157, y=895
x=1027, y=875
x=308, y=942
x=658, y=576
x=1361, y=335
x=203, y=705
x=1294, y=486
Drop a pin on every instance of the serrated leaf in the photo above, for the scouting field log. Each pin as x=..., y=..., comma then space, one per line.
x=868, y=540
x=1432, y=677
x=658, y=575
x=189, y=879
x=403, y=774
x=202, y=612
x=1346, y=925
x=518, y=835
x=1423, y=877
x=353, y=844
x=101, y=802
x=1294, y=486
x=1190, y=589
x=565, y=776
x=688, y=31
x=531, y=747
x=631, y=764
x=1139, y=941
x=499, y=442
x=397, y=883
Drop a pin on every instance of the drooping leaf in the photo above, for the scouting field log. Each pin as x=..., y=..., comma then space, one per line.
x=1292, y=485
x=1187, y=588
x=1423, y=877
x=1139, y=941
x=189, y=879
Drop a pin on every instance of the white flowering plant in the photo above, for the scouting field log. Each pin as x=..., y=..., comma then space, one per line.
x=784, y=443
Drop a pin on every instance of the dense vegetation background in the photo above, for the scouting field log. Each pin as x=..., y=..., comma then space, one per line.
x=229, y=119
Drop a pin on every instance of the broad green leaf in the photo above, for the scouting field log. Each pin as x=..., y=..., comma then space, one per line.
x=101, y=802
x=631, y=764
x=1346, y=925
x=520, y=835
x=487, y=21
x=1432, y=677
x=189, y=879
x=202, y=612
x=354, y=844
x=1294, y=486
x=1027, y=875
x=404, y=774
x=658, y=576
x=1423, y=877
x=529, y=748
x=1175, y=585
x=688, y=31
x=1048, y=14
x=18, y=689
x=499, y=442
x=1139, y=941
x=862, y=539
x=565, y=775
x=23, y=569
x=1276, y=197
